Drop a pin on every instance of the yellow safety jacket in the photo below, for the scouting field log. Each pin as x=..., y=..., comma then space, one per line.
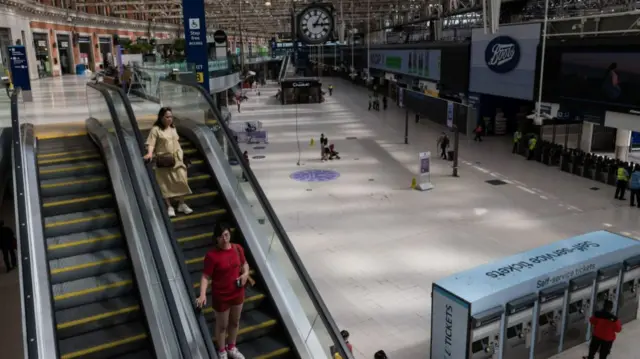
x=532, y=143
x=517, y=136
x=622, y=174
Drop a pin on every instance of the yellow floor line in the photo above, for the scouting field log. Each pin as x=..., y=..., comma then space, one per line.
x=49, y=155
x=105, y=346
x=93, y=290
x=88, y=265
x=274, y=354
x=70, y=168
x=95, y=318
x=79, y=220
x=76, y=200
x=84, y=241
x=198, y=215
x=68, y=159
x=72, y=183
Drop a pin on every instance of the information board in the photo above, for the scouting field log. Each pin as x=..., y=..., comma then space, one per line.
x=195, y=34
x=20, y=70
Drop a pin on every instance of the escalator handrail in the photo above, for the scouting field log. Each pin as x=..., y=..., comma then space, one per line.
x=173, y=310
x=292, y=254
x=202, y=323
x=39, y=336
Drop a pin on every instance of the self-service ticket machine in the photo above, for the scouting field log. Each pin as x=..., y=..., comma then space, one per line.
x=548, y=295
x=485, y=334
x=518, y=323
x=628, y=301
x=578, y=310
x=550, y=321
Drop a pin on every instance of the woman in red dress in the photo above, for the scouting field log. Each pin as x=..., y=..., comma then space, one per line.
x=226, y=269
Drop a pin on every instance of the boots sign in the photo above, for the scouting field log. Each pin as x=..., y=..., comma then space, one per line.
x=502, y=54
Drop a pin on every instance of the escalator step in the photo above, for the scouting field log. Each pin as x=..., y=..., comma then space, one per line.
x=265, y=348
x=88, y=265
x=80, y=222
x=92, y=289
x=199, y=180
x=84, y=242
x=84, y=168
x=94, y=316
x=202, y=197
x=193, y=237
x=54, y=206
x=74, y=185
x=204, y=215
x=67, y=152
x=253, y=324
x=69, y=159
x=106, y=343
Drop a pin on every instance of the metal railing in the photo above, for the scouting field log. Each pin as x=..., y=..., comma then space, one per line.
x=280, y=246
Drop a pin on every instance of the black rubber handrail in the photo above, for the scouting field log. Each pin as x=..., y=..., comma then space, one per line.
x=173, y=308
x=23, y=233
x=307, y=282
x=202, y=322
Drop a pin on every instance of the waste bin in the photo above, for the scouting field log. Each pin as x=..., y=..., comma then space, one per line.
x=450, y=155
x=80, y=69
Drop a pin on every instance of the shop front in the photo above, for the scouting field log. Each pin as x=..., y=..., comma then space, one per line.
x=106, y=49
x=43, y=58
x=65, y=54
x=86, y=52
x=301, y=90
x=502, y=76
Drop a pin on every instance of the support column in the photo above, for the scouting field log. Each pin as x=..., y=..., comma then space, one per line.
x=587, y=136
x=623, y=141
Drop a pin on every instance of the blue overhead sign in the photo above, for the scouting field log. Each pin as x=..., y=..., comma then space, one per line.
x=195, y=34
x=19, y=67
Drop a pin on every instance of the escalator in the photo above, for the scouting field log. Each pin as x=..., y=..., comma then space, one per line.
x=261, y=334
x=98, y=311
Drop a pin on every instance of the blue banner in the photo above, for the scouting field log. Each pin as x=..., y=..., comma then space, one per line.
x=19, y=68
x=195, y=34
x=449, y=114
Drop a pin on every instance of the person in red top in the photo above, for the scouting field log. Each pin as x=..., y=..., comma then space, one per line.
x=226, y=269
x=605, y=326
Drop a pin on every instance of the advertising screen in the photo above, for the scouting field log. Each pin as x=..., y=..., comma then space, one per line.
x=417, y=63
x=608, y=78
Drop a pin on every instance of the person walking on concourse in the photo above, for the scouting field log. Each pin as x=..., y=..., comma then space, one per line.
x=605, y=326
x=227, y=270
x=634, y=186
x=622, y=182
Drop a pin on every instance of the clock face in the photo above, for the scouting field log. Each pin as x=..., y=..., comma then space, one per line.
x=316, y=25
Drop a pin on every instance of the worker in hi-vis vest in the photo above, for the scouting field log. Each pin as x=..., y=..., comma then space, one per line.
x=533, y=141
x=622, y=181
x=516, y=141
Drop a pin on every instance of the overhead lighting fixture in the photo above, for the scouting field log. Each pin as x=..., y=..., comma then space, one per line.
x=267, y=3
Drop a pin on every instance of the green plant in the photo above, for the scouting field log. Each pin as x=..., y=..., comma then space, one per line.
x=179, y=45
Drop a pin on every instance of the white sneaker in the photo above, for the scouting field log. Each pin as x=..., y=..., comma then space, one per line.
x=235, y=353
x=184, y=208
x=171, y=211
x=222, y=355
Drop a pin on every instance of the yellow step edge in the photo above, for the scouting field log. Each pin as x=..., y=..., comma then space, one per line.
x=274, y=354
x=68, y=159
x=88, y=265
x=105, y=346
x=72, y=183
x=93, y=290
x=251, y=328
x=194, y=260
x=56, y=154
x=197, y=162
x=79, y=220
x=71, y=168
x=58, y=134
x=199, y=178
x=84, y=241
x=95, y=318
x=198, y=215
x=189, y=151
x=76, y=200
x=199, y=236
x=201, y=195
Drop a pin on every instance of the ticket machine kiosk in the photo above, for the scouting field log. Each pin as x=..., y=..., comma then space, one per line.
x=607, y=286
x=628, y=301
x=519, y=321
x=578, y=310
x=549, y=329
x=485, y=334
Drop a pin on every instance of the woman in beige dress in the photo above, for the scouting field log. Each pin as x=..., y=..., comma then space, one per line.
x=171, y=172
